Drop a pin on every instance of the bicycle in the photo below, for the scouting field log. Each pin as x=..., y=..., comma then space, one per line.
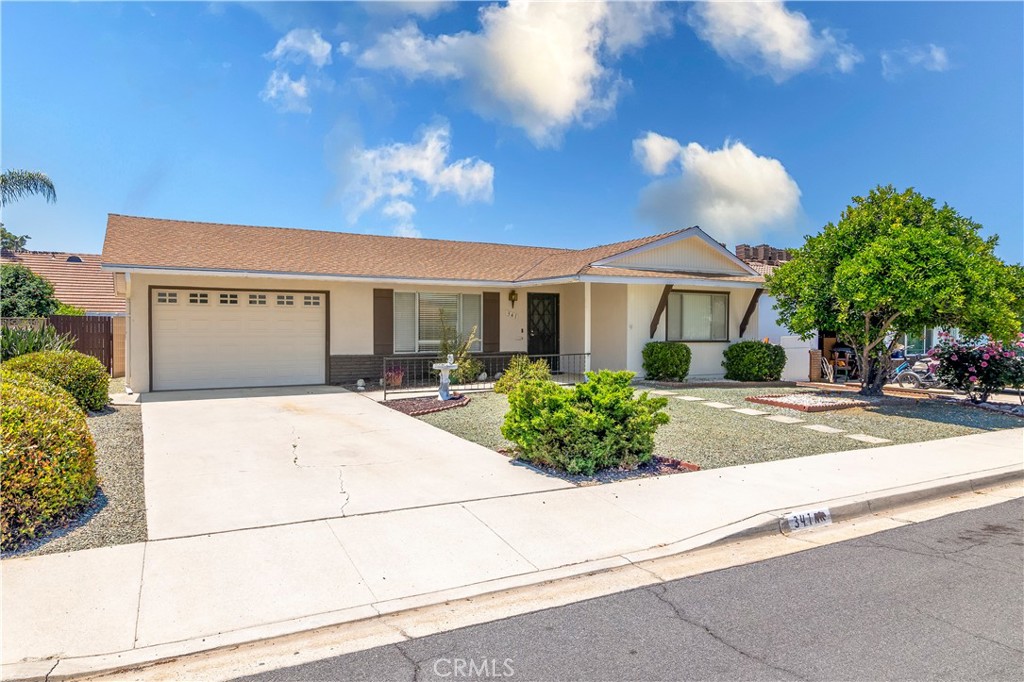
x=920, y=374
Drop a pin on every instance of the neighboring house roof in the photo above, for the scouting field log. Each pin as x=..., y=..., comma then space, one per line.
x=149, y=243
x=762, y=268
x=80, y=282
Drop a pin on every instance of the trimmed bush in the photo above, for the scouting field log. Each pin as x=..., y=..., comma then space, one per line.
x=520, y=369
x=667, y=360
x=47, y=462
x=15, y=341
x=597, y=425
x=754, y=361
x=83, y=376
x=36, y=383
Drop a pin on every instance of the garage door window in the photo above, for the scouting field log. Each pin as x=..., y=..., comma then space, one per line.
x=284, y=299
x=311, y=300
x=198, y=298
x=229, y=299
x=166, y=297
x=257, y=299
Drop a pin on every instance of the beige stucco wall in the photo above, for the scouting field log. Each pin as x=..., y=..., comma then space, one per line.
x=642, y=301
x=608, y=326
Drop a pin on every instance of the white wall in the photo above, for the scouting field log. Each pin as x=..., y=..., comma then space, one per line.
x=642, y=301
x=608, y=326
x=766, y=321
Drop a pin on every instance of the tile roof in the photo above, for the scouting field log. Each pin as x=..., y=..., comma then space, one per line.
x=82, y=285
x=762, y=268
x=157, y=243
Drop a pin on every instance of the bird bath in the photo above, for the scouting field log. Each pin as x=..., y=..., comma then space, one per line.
x=445, y=368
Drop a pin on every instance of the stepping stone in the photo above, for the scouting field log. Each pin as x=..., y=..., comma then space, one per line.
x=821, y=428
x=751, y=412
x=867, y=439
x=719, y=406
x=783, y=419
x=691, y=398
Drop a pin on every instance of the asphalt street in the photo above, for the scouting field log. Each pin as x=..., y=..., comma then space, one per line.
x=941, y=599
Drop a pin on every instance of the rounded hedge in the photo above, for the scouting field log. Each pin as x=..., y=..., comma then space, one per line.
x=666, y=360
x=36, y=383
x=754, y=361
x=83, y=376
x=47, y=462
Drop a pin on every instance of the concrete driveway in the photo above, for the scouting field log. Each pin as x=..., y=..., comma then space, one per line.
x=222, y=460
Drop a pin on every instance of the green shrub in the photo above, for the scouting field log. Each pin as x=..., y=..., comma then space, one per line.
x=47, y=462
x=15, y=341
x=597, y=425
x=83, y=376
x=667, y=360
x=36, y=383
x=458, y=346
x=520, y=369
x=754, y=361
x=68, y=309
x=23, y=293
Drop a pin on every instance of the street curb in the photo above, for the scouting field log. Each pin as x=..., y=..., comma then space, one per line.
x=760, y=525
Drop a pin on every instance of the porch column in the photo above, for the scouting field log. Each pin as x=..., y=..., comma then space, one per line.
x=586, y=325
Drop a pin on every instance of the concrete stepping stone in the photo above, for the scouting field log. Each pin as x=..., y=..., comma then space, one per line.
x=867, y=439
x=719, y=406
x=750, y=411
x=821, y=428
x=691, y=398
x=783, y=419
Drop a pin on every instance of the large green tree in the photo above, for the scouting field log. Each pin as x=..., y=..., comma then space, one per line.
x=23, y=293
x=12, y=242
x=892, y=264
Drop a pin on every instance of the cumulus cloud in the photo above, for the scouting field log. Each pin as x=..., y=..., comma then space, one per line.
x=928, y=57
x=540, y=67
x=655, y=152
x=286, y=94
x=301, y=44
x=731, y=192
x=391, y=176
x=769, y=39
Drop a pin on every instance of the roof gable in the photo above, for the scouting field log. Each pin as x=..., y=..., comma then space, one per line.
x=691, y=250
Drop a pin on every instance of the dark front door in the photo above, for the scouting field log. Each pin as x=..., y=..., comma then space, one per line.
x=542, y=324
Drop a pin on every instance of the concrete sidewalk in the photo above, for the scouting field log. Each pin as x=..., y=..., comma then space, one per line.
x=117, y=606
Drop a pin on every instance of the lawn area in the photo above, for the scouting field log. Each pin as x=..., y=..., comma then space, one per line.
x=720, y=437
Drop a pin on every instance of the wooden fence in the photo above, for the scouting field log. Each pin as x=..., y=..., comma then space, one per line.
x=94, y=335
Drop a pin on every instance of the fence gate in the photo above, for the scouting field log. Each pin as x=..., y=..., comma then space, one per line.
x=94, y=334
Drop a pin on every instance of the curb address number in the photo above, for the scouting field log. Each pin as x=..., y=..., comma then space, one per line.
x=810, y=518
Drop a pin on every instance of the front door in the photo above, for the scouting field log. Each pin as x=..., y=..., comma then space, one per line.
x=542, y=324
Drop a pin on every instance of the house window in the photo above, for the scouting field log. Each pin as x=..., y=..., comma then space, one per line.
x=285, y=299
x=257, y=299
x=166, y=297
x=229, y=299
x=421, y=318
x=198, y=298
x=698, y=317
x=311, y=300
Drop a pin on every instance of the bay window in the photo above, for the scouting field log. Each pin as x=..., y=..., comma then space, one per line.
x=694, y=316
x=421, y=317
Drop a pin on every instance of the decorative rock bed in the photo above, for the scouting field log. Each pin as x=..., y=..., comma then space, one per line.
x=415, y=407
x=808, y=402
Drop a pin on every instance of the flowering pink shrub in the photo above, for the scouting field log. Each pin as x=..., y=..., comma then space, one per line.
x=979, y=369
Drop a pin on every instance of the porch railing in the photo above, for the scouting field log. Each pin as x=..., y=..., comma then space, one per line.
x=415, y=373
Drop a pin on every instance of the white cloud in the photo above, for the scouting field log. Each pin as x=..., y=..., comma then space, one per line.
x=300, y=44
x=731, y=192
x=422, y=8
x=928, y=57
x=393, y=174
x=769, y=39
x=286, y=94
x=540, y=67
x=655, y=152
x=345, y=48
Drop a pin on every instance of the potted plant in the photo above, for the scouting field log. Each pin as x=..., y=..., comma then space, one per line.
x=393, y=376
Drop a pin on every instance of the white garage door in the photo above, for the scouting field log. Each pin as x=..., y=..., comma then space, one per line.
x=230, y=339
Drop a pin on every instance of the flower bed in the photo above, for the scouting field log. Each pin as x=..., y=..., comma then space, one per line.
x=415, y=407
x=808, y=402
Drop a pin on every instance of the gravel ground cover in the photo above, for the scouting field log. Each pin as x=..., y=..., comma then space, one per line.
x=714, y=438
x=117, y=515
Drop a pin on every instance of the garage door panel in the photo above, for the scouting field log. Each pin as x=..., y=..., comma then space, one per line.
x=221, y=345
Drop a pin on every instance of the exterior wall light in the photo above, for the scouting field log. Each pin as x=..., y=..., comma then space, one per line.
x=513, y=296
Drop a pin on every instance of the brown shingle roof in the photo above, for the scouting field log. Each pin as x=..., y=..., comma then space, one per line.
x=82, y=285
x=151, y=242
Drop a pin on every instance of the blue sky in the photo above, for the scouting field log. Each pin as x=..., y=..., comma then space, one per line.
x=560, y=125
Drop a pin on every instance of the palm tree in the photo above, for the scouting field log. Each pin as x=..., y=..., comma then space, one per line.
x=14, y=184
